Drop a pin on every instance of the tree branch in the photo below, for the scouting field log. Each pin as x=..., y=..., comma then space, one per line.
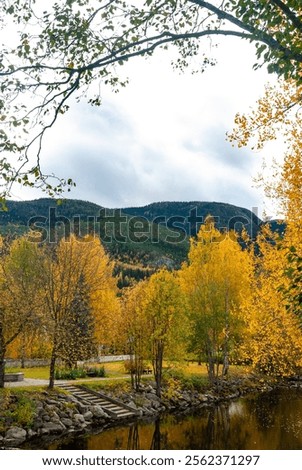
x=289, y=13
x=156, y=41
x=258, y=34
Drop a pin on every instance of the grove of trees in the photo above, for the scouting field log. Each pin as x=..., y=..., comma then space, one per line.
x=229, y=304
x=235, y=300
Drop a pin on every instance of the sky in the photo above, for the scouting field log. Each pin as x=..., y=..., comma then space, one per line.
x=163, y=137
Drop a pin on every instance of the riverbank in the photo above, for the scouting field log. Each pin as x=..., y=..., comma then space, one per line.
x=43, y=414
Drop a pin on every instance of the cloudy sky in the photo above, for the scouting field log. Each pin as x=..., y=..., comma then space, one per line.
x=163, y=137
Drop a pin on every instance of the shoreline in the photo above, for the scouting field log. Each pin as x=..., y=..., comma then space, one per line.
x=58, y=414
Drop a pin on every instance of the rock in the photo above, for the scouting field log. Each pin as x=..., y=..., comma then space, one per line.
x=31, y=433
x=53, y=428
x=203, y=398
x=88, y=415
x=98, y=412
x=152, y=396
x=132, y=404
x=79, y=418
x=51, y=402
x=67, y=422
x=147, y=402
x=38, y=423
x=185, y=396
x=73, y=399
x=55, y=417
x=156, y=404
x=15, y=435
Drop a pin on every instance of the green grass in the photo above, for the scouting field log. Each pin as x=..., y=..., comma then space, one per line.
x=115, y=386
x=112, y=369
x=31, y=372
x=116, y=371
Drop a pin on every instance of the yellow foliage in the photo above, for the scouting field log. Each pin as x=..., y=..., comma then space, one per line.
x=272, y=340
x=216, y=279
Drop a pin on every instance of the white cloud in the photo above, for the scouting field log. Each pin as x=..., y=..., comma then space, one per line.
x=163, y=136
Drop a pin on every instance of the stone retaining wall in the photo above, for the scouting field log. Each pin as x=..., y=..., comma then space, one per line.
x=57, y=414
x=27, y=363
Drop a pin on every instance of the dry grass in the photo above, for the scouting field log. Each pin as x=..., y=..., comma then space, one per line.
x=192, y=368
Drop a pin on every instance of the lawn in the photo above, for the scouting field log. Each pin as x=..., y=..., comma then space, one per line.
x=116, y=370
x=112, y=369
x=31, y=372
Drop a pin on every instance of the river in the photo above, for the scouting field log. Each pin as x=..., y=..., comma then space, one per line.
x=270, y=420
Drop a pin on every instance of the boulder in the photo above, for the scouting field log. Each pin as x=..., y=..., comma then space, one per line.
x=53, y=428
x=79, y=418
x=67, y=422
x=15, y=435
x=88, y=415
x=98, y=412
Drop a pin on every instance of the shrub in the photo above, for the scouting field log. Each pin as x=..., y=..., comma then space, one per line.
x=70, y=374
x=130, y=367
x=95, y=371
x=16, y=409
x=192, y=382
x=23, y=414
x=196, y=382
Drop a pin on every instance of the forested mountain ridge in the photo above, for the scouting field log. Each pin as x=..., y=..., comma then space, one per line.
x=139, y=239
x=227, y=216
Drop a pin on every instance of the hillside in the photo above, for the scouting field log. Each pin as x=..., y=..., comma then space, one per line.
x=192, y=214
x=139, y=239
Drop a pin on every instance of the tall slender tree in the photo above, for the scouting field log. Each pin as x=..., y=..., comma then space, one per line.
x=20, y=288
x=73, y=264
x=215, y=280
x=164, y=310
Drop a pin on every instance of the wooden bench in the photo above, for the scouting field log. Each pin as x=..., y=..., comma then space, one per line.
x=14, y=377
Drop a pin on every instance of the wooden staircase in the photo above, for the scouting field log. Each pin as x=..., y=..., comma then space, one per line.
x=114, y=408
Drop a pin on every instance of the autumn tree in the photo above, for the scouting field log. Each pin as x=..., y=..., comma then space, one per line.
x=215, y=280
x=166, y=323
x=277, y=117
x=73, y=265
x=105, y=304
x=20, y=287
x=59, y=51
x=272, y=334
x=136, y=330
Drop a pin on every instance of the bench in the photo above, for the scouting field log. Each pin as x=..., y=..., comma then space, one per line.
x=14, y=377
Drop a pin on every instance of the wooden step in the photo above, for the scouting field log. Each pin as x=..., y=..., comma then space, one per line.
x=111, y=406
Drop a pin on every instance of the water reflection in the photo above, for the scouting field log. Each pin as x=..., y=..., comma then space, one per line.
x=266, y=421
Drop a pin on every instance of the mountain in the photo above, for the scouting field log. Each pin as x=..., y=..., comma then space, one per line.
x=188, y=216
x=139, y=239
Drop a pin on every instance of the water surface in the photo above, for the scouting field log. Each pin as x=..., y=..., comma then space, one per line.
x=271, y=420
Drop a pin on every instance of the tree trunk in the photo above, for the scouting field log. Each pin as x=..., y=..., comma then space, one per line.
x=52, y=365
x=225, y=368
x=2, y=366
x=226, y=365
x=2, y=356
x=210, y=363
x=158, y=367
x=138, y=371
x=22, y=351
